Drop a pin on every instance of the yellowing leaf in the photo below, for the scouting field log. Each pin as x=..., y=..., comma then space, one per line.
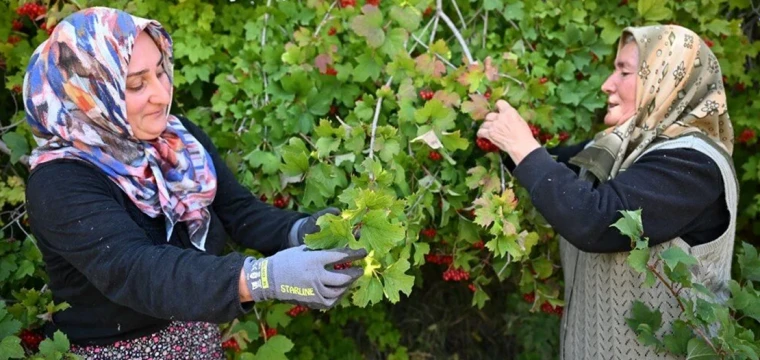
x=477, y=107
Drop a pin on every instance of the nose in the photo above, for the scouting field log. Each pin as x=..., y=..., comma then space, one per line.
x=609, y=85
x=160, y=92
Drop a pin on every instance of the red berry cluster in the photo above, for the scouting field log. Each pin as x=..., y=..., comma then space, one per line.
x=487, y=95
x=269, y=332
x=297, y=310
x=347, y=3
x=17, y=88
x=231, y=344
x=32, y=10
x=331, y=71
x=529, y=297
x=486, y=145
x=17, y=25
x=426, y=94
x=44, y=27
x=342, y=266
x=31, y=339
x=439, y=259
x=429, y=232
x=472, y=287
x=13, y=39
x=543, y=80
x=479, y=245
x=281, y=202
x=332, y=31
x=373, y=2
x=456, y=275
x=435, y=156
x=746, y=136
x=709, y=42
x=549, y=309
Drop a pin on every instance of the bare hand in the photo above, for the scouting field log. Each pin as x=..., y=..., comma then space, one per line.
x=509, y=131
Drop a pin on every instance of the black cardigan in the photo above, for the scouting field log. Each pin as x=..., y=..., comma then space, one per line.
x=680, y=192
x=114, y=266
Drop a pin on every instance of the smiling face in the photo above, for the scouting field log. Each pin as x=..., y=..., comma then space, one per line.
x=148, y=90
x=620, y=87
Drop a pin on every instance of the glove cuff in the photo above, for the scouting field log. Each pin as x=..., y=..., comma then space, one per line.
x=258, y=278
x=293, y=239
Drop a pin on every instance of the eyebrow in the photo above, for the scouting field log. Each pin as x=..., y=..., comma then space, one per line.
x=143, y=71
x=623, y=64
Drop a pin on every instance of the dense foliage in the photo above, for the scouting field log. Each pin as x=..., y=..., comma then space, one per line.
x=372, y=106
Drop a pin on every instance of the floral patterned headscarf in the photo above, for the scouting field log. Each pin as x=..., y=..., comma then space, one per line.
x=74, y=94
x=679, y=91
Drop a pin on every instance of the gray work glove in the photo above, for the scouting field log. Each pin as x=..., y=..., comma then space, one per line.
x=302, y=276
x=306, y=226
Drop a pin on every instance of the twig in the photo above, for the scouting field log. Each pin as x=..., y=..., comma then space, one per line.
x=374, y=125
x=521, y=36
x=456, y=32
x=324, y=19
x=443, y=59
x=5, y=149
x=261, y=324
x=513, y=79
x=501, y=167
x=485, y=29
x=435, y=27
x=461, y=18
x=696, y=329
x=264, y=43
x=14, y=219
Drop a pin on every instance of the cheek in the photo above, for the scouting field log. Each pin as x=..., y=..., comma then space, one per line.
x=628, y=91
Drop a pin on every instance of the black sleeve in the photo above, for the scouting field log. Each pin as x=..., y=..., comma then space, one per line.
x=73, y=212
x=249, y=221
x=562, y=153
x=672, y=187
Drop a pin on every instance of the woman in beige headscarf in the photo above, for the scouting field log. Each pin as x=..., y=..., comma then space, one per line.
x=667, y=151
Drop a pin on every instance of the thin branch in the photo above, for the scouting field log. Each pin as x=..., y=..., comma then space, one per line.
x=456, y=32
x=513, y=79
x=443, y=59
x=523, y=38
x=5, y=149
x=485, y=29
x=435, y=28
x=263, y=44
x=461, y=18
x=324, y=19
x=501, y=173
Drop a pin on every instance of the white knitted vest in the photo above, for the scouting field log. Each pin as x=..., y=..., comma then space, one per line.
x=600, y=288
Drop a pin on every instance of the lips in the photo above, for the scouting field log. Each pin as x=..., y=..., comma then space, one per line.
x=155, y=113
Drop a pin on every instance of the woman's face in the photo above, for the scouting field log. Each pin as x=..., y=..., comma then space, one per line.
x=620, y=87
x=148, y=92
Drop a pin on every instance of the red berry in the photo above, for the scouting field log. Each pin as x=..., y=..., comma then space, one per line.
x=429, y=232
x=579, y=76
x=709, y=43
x=231, y=344
x=543, y=80
x=447, y=259
x=280, y=201
x=455, y=275
x=746, y=136
x=17, y=25
x=623, y=2
x=270, y=332
x=331, y=71
x=347, y=3
x=297, y=310
x=487, y=95
x=435, y=156
x=563, y=136
x=427, y=12
x=472, y=287
x=426, y=94
x=558, y=310
x=486, y=145
x=333, y=109
x=535, y=130
x=373, y=2
x=13, y=39
x=547, y=308
x=31, y=339
x=479, y=245
x=17, y=88
x=739, y=87
x=342, y=266
x=332, y=31
x=263, y=198
x=529, y=297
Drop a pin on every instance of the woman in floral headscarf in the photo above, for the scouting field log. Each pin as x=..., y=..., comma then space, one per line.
x=131, y=206
x=667, y=151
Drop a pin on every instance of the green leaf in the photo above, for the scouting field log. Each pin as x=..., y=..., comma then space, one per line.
x=638, y=259
x=407, y=17
x=396, y=280
x=489, y=5
x=440, y=116
x=749, y=262
x=543, y=267
x=630, y=224
x=642, y=314
x=295, y=158
x=706, y=311
x=514, y=11
x=321, y=183
x=379, y=234
x=274, y=349
x=251, y=329
x=277, y=315
x=654, y=10
x=420, y=250
x=335, y=232
x=267, y=161
x=17, y=144
x=369, y=26
x=368, y=67
x=394, y=42
x=59, y=344
x=10, y=348
x=677, y=340
x=369, y=291
x=675, y=255
x=565, y=69
x=326, y=146
x=697, y=349
x=454, y=141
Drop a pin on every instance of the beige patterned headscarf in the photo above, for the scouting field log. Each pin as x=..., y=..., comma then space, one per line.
x=679, y=91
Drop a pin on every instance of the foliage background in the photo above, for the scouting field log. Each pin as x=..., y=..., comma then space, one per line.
x=289, y=92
